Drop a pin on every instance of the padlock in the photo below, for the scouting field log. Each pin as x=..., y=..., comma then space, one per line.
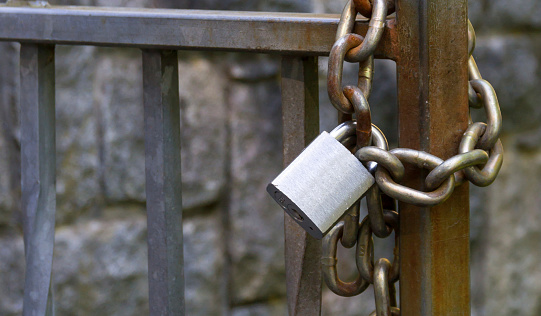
x=320, y=185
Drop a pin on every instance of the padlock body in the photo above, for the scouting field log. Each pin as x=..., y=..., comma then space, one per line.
x=320, y=185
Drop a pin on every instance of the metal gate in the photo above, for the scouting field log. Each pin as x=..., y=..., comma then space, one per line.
x=427, y=40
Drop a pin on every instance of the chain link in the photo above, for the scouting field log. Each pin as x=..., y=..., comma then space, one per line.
x=490, y=170
x=492, y=109
x=336, y=69
x=365, y=7
x=381, y=287
x=376, y=26
x=365, y=249
x=422, y=160
x=329, y=262
x=453, y=166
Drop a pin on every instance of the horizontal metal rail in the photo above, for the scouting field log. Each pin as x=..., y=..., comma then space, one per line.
x=264, y=32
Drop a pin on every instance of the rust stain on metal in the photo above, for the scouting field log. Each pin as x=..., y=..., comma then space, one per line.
x=300, y=117
x=433, y=113
x=364, y=7
x=388, y=46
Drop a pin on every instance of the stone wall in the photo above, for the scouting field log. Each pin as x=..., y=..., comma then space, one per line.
x=231, y=148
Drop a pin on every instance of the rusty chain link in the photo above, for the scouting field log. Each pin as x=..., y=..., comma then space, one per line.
x=354, y=99
x=365, y=251
x=354, y=48
x=376, y=26
x=479, y=158
x=351, y=99
x=364, y=7
x=329, y=262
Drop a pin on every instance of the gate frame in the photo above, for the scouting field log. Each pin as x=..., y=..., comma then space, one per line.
x=433, y=113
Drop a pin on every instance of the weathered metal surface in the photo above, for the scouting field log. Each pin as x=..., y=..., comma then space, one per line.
x=300, y=116
x=433, y=114
x=269, y=32
x=365, y=7
x=163, y=182
x=38, y=176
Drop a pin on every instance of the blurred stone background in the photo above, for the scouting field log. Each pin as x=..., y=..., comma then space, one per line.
x=231, y=148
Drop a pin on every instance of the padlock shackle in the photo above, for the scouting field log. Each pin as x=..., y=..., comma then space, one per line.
x=345, y=133
x=345, y=130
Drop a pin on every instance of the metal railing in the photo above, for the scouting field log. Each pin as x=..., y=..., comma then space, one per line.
x=300, y=39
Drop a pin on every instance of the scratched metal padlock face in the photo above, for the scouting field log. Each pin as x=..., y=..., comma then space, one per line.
x=320, y=185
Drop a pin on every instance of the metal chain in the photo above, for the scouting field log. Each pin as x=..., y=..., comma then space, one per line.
x=359, y=49
x=479, y=158
x=480, y=145
x=352, y=99
x=382, y=219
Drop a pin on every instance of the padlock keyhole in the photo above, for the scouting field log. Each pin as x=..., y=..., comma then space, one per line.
x=296, y=215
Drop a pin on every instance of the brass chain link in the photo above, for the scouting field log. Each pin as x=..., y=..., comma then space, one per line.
x=479, y=158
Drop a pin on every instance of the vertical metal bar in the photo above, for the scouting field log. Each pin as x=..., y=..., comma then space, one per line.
x=433, y=114
x=163, y=182
x=300, y=117
x=38, y=178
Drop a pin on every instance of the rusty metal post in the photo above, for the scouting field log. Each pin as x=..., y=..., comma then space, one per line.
x=433, y=114
x=300, y=117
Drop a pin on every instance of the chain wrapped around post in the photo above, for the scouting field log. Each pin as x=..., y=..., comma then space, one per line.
x=321, y=189
x=479, y=158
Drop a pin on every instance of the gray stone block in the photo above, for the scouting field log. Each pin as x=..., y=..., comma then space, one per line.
x=11, y=274
x=7, y=201
x=204, y=266
x=477, y=13
x=203, y=122
x=100, y=130
x=118, y=98
x=511, y=261
x=77, y=138
x=272, y=308
x=10, y=183
x=505, y=16
x=255, y=68
x=100, y=267
x=256, y=221
x=328, y=6
x=511, y=65
x=362, y=304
